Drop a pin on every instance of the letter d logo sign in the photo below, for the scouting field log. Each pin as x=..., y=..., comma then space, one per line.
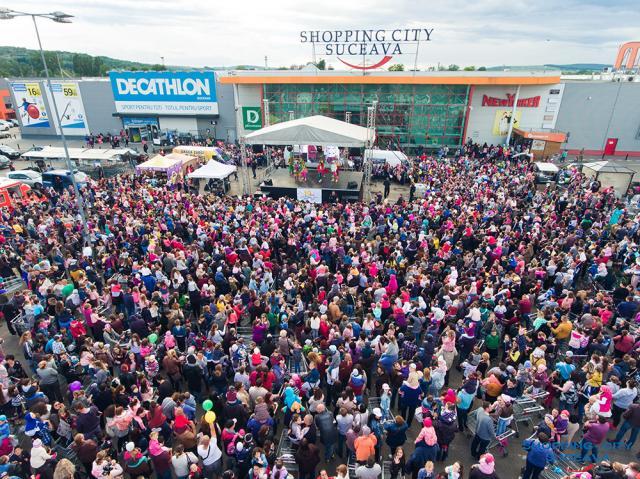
x=251, y=117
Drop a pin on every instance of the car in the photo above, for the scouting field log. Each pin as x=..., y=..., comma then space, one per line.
x=14, y=122
x=9, y=152
x=4, y=162
x=4, y=126
x=29, y=177
x=60, y=179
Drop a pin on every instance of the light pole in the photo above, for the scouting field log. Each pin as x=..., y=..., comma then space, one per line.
x=58, y=17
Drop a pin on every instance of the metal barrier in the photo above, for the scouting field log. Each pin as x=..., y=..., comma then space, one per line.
x=351, y=464
x=286, y=452
x=12, y=284
x=245, y=332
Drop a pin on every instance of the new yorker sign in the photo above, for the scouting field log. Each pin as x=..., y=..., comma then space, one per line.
x=366, y=43
x=533, y=102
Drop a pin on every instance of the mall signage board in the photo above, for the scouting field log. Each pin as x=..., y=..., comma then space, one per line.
x=382, y=44
x=251, y=117
x=165, y=93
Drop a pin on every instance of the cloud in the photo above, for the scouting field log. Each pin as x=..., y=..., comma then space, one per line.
x=198, y=33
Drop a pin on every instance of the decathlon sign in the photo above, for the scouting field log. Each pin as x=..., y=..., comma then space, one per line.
x=383, y=45
x=165, y=93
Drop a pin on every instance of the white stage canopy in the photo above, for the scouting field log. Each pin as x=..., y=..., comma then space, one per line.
x=314, y=130
x=213, y=169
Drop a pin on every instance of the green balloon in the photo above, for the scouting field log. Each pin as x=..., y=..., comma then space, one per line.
x=153, y=337
x=67, y=290
x=207, y=405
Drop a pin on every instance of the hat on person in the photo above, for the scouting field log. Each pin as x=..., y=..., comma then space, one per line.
x=333, y=348
x=569, y=354
x=130, y=446
x=506, y=398
x=366, y=430
x=376, y=412
x=3, y=418
x=37, y=443
x=385, y=387
x=232, y=396
x=564, y=412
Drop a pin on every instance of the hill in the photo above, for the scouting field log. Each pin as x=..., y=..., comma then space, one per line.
x=568, y=68
x=23, y=62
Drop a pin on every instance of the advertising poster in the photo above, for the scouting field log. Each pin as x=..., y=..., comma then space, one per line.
x=502, y=120
x=165, y=93
x=70, y=108
x=30, y=105
x=313, y=195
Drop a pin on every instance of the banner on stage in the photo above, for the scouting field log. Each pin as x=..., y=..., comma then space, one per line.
x=313, y=195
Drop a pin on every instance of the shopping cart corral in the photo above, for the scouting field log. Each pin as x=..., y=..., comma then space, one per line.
x=525, y=408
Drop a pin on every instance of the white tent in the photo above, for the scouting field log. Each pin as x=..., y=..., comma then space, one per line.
x=314, y=130
x=213, y=169
x=610, y=174
x=54, y=153
x=392, y=158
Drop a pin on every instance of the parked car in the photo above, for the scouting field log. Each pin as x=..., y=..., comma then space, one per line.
x=4, y=126
x=4, y=162
x=9, y=152
x=29, y=177
x=60, y=179
x=14, y=122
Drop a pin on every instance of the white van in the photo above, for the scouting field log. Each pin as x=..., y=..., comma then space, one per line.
x=545, y=172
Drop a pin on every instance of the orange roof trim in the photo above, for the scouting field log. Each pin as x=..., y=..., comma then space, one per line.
x=395, y=80
x=557, y=137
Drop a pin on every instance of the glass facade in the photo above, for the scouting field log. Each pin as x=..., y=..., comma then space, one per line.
x=408, y=115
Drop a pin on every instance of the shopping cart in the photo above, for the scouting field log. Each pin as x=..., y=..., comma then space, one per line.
x=500, y=440
x=525, y=408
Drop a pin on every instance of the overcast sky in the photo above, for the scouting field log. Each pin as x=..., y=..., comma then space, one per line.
x=223, y=33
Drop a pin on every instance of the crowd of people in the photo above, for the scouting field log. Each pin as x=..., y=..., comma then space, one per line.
x=193, y=336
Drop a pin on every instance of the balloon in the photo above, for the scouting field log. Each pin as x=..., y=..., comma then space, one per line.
x=75, y=386
x=153, y=337
x=67, y=290
x=209, y=417
x=207, y=405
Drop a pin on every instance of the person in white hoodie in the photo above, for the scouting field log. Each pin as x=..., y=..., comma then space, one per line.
x=39, y=456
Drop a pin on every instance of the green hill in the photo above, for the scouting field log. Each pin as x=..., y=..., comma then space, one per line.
x=23, y=62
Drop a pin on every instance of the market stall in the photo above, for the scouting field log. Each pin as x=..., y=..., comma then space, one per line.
x=168, y=164
x=213, y=176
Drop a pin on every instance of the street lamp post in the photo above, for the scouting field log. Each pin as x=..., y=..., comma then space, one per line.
x=58, y=17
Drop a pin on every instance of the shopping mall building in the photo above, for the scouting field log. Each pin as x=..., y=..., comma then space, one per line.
x=414, y=110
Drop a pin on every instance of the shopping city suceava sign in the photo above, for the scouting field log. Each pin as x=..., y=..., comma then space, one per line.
x=381, y=44
x=165, y=93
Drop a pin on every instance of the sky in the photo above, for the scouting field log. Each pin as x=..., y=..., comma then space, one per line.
x=224, y=33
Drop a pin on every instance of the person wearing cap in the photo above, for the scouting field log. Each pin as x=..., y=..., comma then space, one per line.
x=485, y=469
x=40, y=458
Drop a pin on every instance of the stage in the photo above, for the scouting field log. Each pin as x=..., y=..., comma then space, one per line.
x=326, y=190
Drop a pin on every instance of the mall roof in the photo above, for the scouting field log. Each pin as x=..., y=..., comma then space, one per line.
x=386, y=77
